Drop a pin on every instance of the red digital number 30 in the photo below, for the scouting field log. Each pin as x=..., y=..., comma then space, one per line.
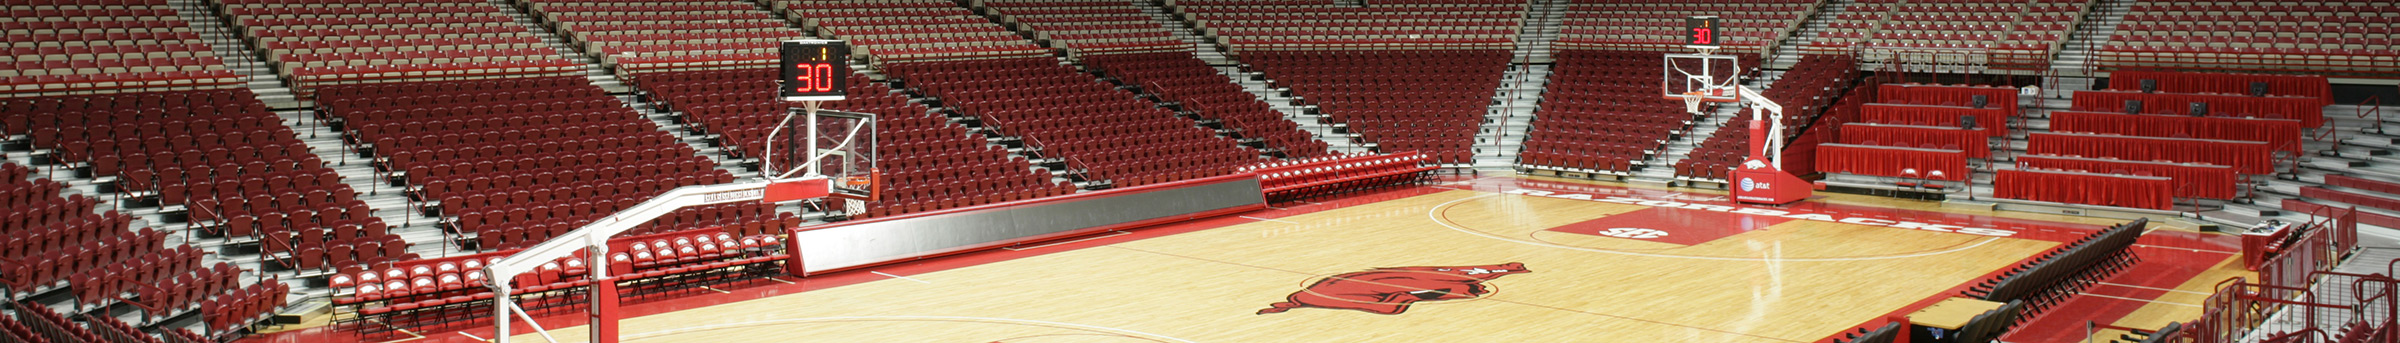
x=815, y=77
x=1702, y=36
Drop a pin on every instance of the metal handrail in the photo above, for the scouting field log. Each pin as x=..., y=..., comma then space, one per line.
x=2362, y=111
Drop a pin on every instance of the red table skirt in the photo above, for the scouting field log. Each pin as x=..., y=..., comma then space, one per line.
x=2003, y=98
x=2079, y=188
x=1971, y=142
x=2309, y=111
x=2176, y=82
x=2281, y=133
x=1889, y=161
x=2245, y=157
x=2198, y=181
x=1993, y=121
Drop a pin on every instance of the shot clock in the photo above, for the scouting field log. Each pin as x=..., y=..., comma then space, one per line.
x=1701, y=32
x=815, y=70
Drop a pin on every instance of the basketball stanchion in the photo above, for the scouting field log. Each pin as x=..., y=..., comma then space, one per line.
x=1707, y=77
x=814, y=71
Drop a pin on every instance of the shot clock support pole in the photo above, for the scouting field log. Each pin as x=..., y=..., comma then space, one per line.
x=766, y=162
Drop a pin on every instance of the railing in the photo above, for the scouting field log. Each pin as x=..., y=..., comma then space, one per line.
x=2364, y=109
x=2240, y=308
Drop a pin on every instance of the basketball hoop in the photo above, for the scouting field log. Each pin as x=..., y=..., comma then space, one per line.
x=1692, y=100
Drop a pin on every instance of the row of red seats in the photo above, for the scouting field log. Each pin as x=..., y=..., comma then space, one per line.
x=216, y=184
x=1598, y=94
x=615, y=28
x=488, y=189
x=1336, y=80
x=1140, y=155
x=238, y=309
x=118, y=28
x=963, y=33
x=295, y=62
x=37, y=323
x=1085, y=27
x=453, y=284
x=1331, y=174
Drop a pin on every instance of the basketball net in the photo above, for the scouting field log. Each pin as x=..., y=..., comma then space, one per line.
x=1692, y=100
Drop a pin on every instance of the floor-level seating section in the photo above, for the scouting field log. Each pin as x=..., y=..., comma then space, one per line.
x=2010, y=34
x=1749, y=26
x=1181, y=78
x=1429, y=101
x=905, y=30
x=2255, y=158
x=67, y=47
x=522, y=159
x=445, y=293
x=1909, y=165
x=233, y=168
x=2310, y=111
x=2321, y=37
x=1086, y=27
x=1970, y=142
x=1992, y=121
x=1810, y=88
x=239, y=308
x=313, y=43
x=1602, y=113
x=646, y=35
x=1253, y=25
x=2314, y=86
x=1068, y=114
x=929, y=163
x=2191, y=179
x=2002, y=98
x=2283, y=134
x=1333, y=174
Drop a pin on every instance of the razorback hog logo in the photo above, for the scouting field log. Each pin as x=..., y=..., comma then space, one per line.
x=1391, y=290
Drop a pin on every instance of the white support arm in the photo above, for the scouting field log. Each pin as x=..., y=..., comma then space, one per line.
x=1771, y=114
x=594, y=236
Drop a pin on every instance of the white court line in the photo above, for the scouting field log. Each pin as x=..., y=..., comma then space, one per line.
x=781, y=280
x=902, y=277
x=2140, y=300
x=2152, y=288
x=2183, y=248
x=464, y=333
x=1278, y=208
x=1119, y=233
x=1265, y=219
x=1432, y=213
x=714, y=289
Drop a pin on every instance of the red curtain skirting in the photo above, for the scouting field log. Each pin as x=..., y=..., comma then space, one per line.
x=2003, y=98
x=1993, y=121
x=2245, y=157
x=2196, y=180
x=2309, y=111
x=2281, y=133
x=2171, y=82
x=1889, y=161
x=2155, y=193
x=1912, y=136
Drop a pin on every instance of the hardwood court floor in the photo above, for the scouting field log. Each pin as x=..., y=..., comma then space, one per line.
x=1592, y=262
x=1648, y=266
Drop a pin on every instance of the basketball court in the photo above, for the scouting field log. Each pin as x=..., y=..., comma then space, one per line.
x=1509, y=259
